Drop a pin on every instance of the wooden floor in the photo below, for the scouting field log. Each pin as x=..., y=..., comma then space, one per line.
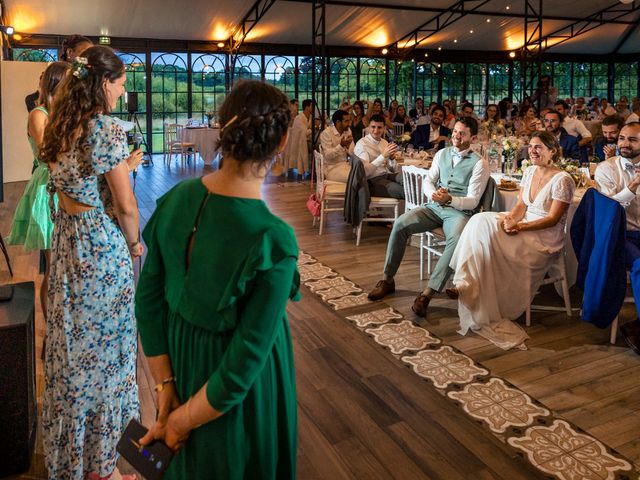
x=362, y=413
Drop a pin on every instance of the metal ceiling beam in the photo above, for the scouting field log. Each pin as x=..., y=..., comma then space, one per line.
x=531, y=58
x=239, y=34
x=409, y=42
x=319, y=70
x=485, y=13
x=605, y=16
x=630, y=30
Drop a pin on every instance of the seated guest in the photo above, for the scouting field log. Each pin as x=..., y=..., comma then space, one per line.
x=527, y=122
x=604, y=146
x=502, y=258
x=575, y=127
x=622, y=107
x=435, y=133
x=492, y=124
x=418, y=111
x=456, y=181
x=391, y=111
x=335, y=142
x=402, y=117
x=580, y=109
x=635, y=113
x=358, y=121
x=375, y=108
x=618, y=178
x=377, y=156
x=568, y=143
x=606, y=109
x=467, y=110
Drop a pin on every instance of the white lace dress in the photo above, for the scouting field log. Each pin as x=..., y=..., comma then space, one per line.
x=497, y=274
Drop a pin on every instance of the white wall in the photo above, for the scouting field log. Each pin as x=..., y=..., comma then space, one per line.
x=19, y=79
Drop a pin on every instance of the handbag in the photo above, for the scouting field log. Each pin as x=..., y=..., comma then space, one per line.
x=314, y=204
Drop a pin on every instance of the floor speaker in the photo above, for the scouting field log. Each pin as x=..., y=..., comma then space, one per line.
x=18, y=410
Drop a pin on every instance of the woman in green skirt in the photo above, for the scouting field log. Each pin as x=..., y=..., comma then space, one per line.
x=211, y=306
x=32, y=226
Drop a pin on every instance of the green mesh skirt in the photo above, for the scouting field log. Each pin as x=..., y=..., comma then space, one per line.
x=32, y=225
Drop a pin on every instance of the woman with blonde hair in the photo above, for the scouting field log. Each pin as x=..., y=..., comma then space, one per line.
x=502, y=258
x=90, y=387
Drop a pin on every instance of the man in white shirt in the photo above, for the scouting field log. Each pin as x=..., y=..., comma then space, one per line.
x=635, y=114
x=573, y=126
x=377, y=156
x=619, y=178
x=456, y=181
x=335, y=141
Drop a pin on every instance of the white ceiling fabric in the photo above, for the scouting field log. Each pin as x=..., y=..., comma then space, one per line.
x=290, y=22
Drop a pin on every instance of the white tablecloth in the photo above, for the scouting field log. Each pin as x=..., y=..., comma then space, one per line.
x=206, y=140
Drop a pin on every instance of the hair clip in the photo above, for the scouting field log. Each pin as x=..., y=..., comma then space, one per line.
x=233, y=119
x=80, y=67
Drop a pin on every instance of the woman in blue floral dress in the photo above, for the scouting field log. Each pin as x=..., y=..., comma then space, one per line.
x=90, y=365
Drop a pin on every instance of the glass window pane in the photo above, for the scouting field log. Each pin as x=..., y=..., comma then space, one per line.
x=168, y=92
x=372, y=79
x=281, y=73
x=427, y=82
x=342, y=81
x=207, y=84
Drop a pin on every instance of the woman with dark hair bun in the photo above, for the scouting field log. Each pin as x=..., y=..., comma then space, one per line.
x=90, y=391
x=211, y=306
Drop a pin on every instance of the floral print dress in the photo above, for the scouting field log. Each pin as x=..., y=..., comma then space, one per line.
x=90, y=365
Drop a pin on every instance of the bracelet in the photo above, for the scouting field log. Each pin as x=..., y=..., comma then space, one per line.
x=160, y=386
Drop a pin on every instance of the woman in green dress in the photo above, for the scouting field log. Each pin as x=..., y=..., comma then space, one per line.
x=32, y=226
x=211, y=306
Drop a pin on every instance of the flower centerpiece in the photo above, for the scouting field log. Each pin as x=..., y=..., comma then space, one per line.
x=573, y=169
x=402, y=140
x=510, y=151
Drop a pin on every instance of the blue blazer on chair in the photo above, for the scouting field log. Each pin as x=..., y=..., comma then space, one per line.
x=598, y=234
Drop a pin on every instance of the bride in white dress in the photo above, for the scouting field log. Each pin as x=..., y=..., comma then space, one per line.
x=502, y=258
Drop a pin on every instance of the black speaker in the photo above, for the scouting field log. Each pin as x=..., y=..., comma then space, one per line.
x=18, y=410
x=132, y=102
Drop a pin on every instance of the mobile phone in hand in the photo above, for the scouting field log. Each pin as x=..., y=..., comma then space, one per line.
x=150, y=460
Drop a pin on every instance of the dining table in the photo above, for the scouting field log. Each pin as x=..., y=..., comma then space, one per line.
x=206, y=139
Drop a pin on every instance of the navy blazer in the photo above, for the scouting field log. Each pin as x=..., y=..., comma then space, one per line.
x=598, y=232
x=420, y=137
x=569, y=144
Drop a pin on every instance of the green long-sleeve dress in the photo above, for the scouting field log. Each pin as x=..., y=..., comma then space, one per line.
x=221, y=319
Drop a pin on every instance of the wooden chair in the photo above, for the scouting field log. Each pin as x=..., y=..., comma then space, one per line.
x=327, y=191
x=398, y=129
x=174, y=144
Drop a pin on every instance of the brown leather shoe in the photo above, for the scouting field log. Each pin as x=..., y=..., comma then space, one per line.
x=420, y=305
x=383, y=288
x=631, y=334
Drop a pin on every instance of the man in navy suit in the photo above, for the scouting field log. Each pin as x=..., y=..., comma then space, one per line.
x=432, y=134
x=569, y=143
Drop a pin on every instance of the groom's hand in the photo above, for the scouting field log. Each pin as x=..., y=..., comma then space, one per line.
x=441, y=196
